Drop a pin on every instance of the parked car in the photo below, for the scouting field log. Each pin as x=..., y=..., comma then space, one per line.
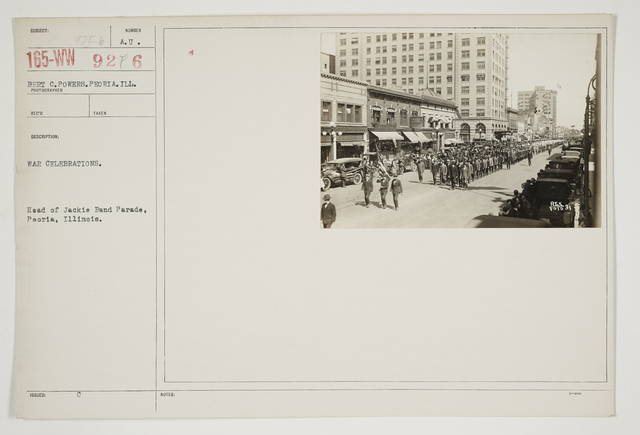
x=553, y=201
x=331, y=173
x=564, y=174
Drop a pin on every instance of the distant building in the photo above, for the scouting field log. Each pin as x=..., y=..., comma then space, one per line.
x=512, y=119
x=541, y=106
x=327, y=63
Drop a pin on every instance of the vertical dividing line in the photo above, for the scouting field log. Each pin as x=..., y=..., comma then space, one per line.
x=164, y=202
x=89, y=108
x=110, y=45
x=155, y=133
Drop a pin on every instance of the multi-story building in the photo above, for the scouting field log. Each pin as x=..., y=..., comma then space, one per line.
x=540, y=103
x=468, y=69
x=398, y=119
x=512, y=118
x=343, y=118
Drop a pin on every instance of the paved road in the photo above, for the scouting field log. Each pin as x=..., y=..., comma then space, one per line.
x=428, y=206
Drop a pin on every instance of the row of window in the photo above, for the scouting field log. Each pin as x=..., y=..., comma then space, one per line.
x=479, y=53
x=480, y=40
x=465, y=113
x=465, y=90
x=467, y=65
x=344, y=112
x=394, y=37
x=467, y=77
x=390, y=118
x=394, y=70
x=394, y=48
x=404, y=81
x=465, y=101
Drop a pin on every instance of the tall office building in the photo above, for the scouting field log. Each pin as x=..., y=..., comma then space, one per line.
x=541, y=106
x=469, y=69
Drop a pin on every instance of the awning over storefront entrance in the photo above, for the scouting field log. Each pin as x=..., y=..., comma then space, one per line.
x=387, y=135
x=415, y=137
x=350, y=144
x=422, y=137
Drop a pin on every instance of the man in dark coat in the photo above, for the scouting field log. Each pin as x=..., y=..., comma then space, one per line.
x=367, y=186
x=420, y=165
x=327, y=212
x=343, y=174
x=384, y=188
x=396, y=190
x=453, y=170
x=435, y=169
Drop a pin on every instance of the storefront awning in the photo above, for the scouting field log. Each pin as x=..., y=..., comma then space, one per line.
x=422, y=137
x=387, y=135
x=413, y=137
x=350, y=144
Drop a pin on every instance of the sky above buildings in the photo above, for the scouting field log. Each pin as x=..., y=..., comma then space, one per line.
x=561, y=61
x=564, y=62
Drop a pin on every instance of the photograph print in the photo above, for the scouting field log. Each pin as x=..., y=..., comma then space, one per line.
x=424, y=129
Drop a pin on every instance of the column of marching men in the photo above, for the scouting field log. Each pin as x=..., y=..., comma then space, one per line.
x=457, y=167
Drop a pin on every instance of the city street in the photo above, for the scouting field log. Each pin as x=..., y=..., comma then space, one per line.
x=428, y=206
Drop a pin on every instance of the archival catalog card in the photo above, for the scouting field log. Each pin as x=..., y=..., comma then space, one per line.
x=314, y=216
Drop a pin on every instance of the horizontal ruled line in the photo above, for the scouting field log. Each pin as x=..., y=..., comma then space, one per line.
x=131, y=47
x=124, y=116
x=90, y=70
x=311, y=389
x=90, y=93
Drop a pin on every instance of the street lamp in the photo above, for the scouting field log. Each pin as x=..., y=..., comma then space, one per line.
x=334, y=139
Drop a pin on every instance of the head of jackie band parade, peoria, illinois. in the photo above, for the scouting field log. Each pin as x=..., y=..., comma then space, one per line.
x=462, y=130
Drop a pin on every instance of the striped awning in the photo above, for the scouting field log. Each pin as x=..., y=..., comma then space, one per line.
x=413, y=137
x=387, y=135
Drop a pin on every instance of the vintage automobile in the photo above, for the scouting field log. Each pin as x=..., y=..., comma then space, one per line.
x=558, y=161
x=553, y=201
x=565, y=174
x=331, y=173
x=571, y=153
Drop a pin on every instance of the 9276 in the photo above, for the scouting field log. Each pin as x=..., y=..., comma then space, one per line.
x=113, y=61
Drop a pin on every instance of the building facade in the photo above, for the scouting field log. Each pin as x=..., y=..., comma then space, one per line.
x=398, y=120
x=343, y=117
x=542, y=106
x=468, y=69
x=327, y=63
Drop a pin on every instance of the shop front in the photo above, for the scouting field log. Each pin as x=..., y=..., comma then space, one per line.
x=388, y=143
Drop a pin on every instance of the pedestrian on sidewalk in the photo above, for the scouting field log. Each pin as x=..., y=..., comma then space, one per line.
x=327, y=212
x=396, y=190
x=384, y=188
x=529, y=157
x=367, y=187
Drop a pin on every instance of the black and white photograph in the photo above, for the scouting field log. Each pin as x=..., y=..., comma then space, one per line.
x=458, y=128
